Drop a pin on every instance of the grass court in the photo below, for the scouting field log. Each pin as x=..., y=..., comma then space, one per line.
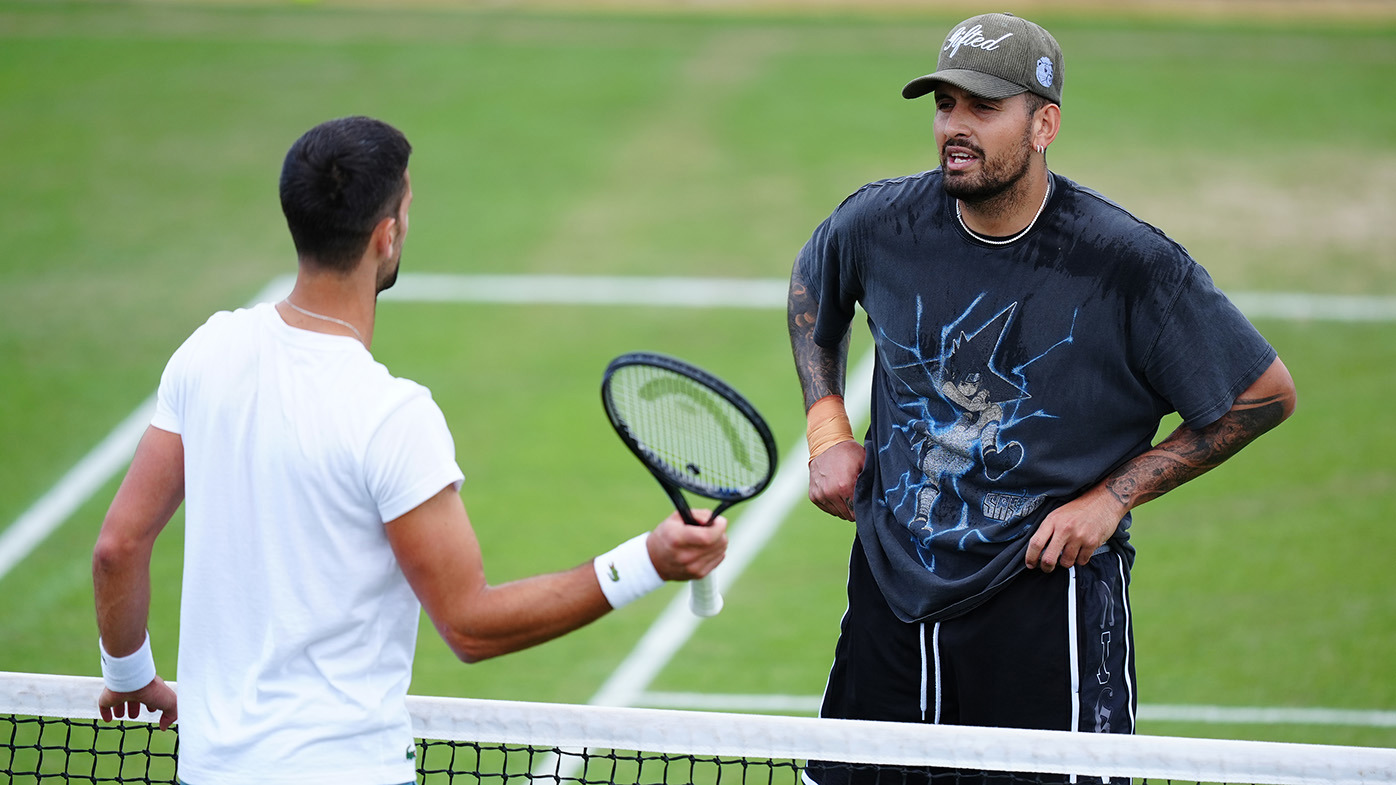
x=141, y=148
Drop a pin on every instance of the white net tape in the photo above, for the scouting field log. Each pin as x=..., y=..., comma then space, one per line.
x=565, y=727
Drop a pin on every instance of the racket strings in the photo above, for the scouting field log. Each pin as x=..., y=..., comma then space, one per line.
x=705, y=442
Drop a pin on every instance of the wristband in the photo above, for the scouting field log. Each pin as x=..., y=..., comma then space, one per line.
x=827, y=425
x=129, y=673
x=626, y=573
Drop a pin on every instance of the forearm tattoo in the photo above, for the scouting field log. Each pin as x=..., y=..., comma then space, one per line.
x=1188, y=453
x=821, y=370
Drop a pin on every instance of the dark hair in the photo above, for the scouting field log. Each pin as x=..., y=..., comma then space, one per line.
x=1036, y=102
x=338, y=181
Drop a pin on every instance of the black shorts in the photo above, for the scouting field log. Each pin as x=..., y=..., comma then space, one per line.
x=1050, y=650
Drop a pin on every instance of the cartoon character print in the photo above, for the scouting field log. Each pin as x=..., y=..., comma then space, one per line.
x=948, y=502
x=968, y=379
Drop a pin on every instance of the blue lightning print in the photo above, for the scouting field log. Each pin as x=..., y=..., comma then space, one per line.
x=963, y=430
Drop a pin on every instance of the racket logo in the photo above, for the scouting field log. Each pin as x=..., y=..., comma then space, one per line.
x=689, y=400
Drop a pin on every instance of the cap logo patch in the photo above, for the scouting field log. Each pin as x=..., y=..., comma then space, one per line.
x=1044, y=71
x=974, y=38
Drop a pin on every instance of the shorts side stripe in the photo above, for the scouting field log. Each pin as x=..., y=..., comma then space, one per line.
x=935, y=650
x=921, y=638
x=1073, y=650
x=1129, y=640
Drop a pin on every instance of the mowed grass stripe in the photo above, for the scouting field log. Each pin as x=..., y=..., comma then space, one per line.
x=1259, y=586
x=113, y=452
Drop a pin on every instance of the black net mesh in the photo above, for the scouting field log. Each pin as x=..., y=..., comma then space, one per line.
x=56, y=749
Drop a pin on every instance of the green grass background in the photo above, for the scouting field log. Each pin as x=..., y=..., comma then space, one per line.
x=139, y=152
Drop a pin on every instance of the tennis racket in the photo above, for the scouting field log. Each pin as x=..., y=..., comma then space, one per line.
x=694, y=433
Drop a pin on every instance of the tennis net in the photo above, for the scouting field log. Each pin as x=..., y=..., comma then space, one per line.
x=49, y=733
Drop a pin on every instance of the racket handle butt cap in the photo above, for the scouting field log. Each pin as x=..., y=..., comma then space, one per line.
x=705, y=600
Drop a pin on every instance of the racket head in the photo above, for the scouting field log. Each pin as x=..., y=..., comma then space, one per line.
x=689, y=428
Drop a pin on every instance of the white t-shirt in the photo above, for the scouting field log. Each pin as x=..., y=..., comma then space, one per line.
x=297, y=627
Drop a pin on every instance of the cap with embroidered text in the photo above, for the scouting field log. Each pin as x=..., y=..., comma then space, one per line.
x=996, y=56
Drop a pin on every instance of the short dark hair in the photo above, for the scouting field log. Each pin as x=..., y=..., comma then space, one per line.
x=1036, y=102
x=338, y=181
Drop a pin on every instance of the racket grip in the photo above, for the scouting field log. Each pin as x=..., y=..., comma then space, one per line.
x=705, y=599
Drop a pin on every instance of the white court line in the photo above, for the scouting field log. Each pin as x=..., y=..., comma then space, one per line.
x=110, y=456
x=590, y=290
x=74, y=488
x=114, y=451
x=676, y=624
x=1219, y=715
x=1238, y=715
x=750, y=533
x=1292, y=306
x=712, y=701
x=770, y=293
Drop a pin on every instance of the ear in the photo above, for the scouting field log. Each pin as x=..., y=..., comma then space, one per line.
x=384, y=237
x=1047, y=121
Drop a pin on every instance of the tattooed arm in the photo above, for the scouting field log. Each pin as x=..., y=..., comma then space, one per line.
x=821, y=370
x=833, y=474
x=1071, y=533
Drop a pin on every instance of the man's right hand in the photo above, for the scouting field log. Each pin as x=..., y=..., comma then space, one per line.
x=833, y=474
x=683, y=553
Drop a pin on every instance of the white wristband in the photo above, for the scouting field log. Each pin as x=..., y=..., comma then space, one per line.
x=626, y=573
x=129, y=673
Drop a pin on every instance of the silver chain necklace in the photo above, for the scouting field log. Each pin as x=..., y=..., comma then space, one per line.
x=981, y=238
x=314, y=315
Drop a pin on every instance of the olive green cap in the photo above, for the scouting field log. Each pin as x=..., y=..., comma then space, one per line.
x=996, y=56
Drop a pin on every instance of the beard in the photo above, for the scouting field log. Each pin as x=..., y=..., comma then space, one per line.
x=388, y=277
x=996, y=176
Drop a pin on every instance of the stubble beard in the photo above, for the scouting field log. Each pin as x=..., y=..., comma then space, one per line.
x=996, y=180
x=386, y=278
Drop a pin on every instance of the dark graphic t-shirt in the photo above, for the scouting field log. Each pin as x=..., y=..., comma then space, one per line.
x=1010, y=378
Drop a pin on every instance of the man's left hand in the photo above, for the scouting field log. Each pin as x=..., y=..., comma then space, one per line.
x=1070, y=534
x=157, y=696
